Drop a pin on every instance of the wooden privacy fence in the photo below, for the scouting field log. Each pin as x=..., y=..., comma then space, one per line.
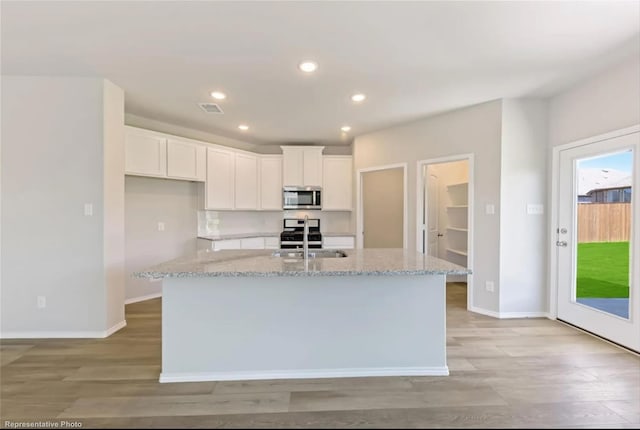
x=604, y=222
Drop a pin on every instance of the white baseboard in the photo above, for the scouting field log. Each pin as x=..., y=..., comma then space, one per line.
x=63, y=334
x=508, y=315
x=303, y=374
x=142, y=298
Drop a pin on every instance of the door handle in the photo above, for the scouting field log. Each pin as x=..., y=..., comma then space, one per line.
x=561, y=243
x=440, y=234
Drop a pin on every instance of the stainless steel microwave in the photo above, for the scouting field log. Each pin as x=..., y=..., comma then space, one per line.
x=301, y=197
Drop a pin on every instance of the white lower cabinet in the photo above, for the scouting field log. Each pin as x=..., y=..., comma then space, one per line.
x=272, y=243
x=252, y=243
x=338, y=242
x=267, y=242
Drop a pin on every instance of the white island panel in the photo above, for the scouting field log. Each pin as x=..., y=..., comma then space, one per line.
x=240, y=328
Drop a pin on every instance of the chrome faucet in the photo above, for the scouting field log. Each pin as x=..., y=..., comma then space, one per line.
x=305, y=239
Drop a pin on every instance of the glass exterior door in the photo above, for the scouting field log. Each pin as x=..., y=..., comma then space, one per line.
x=597, y=238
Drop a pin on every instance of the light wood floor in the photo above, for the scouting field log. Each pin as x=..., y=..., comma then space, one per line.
x=504, y=373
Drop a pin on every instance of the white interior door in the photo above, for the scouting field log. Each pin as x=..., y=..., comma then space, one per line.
x=597, y=238
x=432, y=209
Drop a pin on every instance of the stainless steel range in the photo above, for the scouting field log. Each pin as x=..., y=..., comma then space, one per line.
x=293, y=234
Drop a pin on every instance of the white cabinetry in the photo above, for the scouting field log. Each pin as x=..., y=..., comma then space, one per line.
x=252, y=243
x=186, y=160
x=148, y=153
x=338, y=242
x=271, y=182
x=246, y=181
x=457, y=223
x=267, y=242
x=232, y=180
x=271, y=242
x=220, y=186
x=337, y=182
x=145, y=153
x=302, y=165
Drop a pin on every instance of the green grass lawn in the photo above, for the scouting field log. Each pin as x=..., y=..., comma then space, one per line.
x=603, y=270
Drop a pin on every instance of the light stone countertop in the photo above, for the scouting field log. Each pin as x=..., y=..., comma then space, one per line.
x=239, y=236
x=261, y=263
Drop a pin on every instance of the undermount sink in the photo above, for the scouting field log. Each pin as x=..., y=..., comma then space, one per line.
x=320, y=253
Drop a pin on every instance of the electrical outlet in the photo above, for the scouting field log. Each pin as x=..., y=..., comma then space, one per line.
x=160, y=226
x=489, y=286
x=490, y=209
x=42, y=302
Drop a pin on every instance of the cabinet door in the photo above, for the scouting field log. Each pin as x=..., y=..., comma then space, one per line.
x=271, y=242
x=312, y=167
x=220, y=179
x=271, y=183
x=252, y=243
x=338, y=242
x=337, y=183
x=145, y=154
x=246, y=181
x=182, y=159
x=292, y=166
x=226, y=244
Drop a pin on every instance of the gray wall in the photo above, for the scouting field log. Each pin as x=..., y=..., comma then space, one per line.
x=603, y=103
x=147, y=202
x=53, y=163
x=477, y=130
x=523, y=245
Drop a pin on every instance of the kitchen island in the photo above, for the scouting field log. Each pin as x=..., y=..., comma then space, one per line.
x=239, y=315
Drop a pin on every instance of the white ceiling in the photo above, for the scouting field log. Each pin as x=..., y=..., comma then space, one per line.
x=412, y=59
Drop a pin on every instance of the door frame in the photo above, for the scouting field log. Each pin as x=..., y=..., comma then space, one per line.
x=554, y=202
x=360, y=218
x=421, y=192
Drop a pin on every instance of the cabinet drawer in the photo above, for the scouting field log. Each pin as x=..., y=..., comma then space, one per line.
x=338, y=242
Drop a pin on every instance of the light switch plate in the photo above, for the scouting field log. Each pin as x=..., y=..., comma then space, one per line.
x=88, y=209
x=490, y=209
x=535, y=209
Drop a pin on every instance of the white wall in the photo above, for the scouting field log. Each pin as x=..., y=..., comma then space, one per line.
x=523, y=244
x=54, y=136
x=475, y=129
x=603, y=103
x=113, y=234
x=149, y=201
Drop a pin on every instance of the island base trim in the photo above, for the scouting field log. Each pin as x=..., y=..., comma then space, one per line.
x=303, y=374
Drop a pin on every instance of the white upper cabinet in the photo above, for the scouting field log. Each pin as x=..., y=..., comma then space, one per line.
x=302, y=165
x=246, y=181
x=145, y=153
x=337, y=182
x=186, y=160
x=149, y=153
x=271, y=182
x=220, y=185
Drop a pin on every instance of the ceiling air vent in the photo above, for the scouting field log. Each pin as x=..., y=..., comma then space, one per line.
x=210, y=107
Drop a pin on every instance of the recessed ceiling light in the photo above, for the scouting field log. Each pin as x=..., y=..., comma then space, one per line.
x=218, y=95
x=243, y=127
x=308, y=66
x=358, y=97
x=345, y=128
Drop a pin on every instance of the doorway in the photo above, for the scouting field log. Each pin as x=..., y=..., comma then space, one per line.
x=382, y=207
x=444, y=207
x=596, y=237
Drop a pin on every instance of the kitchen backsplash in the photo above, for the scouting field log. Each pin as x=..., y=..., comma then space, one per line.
x=211, y=223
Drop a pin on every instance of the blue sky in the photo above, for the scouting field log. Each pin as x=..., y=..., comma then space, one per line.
x=622, y=161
